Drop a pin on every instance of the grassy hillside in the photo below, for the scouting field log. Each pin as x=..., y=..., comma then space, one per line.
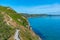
x=10, y=20
x=13, y=14
x=5, y=30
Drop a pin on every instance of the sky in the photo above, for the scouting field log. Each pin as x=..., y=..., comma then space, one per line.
x=33, y=6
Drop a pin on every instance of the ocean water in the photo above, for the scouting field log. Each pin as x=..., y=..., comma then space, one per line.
x=48, y=28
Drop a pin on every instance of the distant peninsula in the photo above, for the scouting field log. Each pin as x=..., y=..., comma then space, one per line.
x=33, y=15
x=37, y=15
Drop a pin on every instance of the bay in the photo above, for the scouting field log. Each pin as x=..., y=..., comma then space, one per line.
x=48, y=28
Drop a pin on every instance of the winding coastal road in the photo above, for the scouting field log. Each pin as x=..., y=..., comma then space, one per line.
x=16, y=36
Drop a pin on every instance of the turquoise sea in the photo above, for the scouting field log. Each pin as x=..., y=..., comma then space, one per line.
x=48, y=28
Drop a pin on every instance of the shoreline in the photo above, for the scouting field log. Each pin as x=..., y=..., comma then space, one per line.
x=33, y=31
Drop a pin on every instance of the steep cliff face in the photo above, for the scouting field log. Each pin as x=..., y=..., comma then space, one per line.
x=10, y=21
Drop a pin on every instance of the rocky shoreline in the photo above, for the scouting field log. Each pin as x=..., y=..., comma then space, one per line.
x=32, y=30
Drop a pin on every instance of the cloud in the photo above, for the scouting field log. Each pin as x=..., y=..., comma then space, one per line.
x=39, y=9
